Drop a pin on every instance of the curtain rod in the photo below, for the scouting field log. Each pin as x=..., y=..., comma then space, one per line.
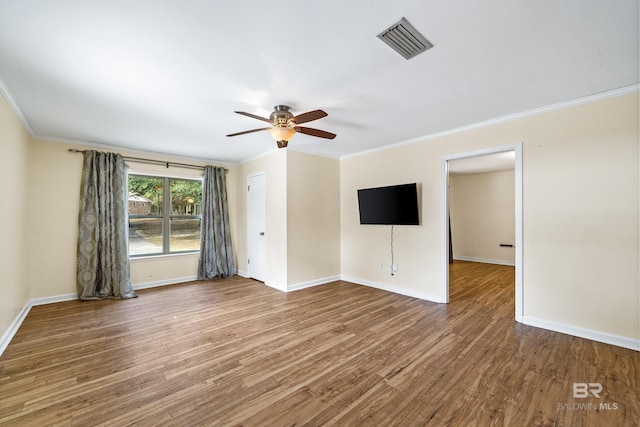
x=151, y=162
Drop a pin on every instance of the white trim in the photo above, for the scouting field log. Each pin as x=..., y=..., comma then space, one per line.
x=13, y=328
x=576, y=331
x=484, y=151
x=141, y=171
x=53, y=299
x=150, y=258
x=4, y=91
x=444, y=237
x=274, y=285
x=534, y=112
x=15, y=325
x=303, y=285
x=17, y=322
x=243, y=274
x=166, y=282
x=444, y=249
x=484, y=260
x=390, y=288
x=519, y=291
x=79, y=144
x=249, y=240
x=604, y=337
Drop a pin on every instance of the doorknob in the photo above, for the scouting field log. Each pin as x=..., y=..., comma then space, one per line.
x=262, y=233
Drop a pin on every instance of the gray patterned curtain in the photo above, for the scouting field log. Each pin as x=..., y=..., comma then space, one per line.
x=103, y=256
x=216, y=253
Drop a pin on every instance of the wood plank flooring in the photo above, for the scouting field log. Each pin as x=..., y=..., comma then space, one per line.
x=236, y=352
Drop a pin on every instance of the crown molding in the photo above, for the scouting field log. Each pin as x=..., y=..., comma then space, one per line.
x=13, y=104
x=4, y=90
x=536, y=111
x=102, y=146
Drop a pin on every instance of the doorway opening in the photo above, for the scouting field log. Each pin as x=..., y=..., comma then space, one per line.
x=484, y=160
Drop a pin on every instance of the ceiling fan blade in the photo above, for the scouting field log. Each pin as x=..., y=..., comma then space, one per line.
x=315, y=132
x=248, y=131
x=253, y=116
x=309, y=116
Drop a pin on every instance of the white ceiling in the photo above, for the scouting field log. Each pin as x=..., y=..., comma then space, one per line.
x=166, y=76
x=483, y=164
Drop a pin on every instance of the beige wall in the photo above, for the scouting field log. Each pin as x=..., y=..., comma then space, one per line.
x=580, y=210
x=274, y=166
x=55, y=190
x=313, y=218
x=580, y=199
x=14, y=205
x=581, y=217
x=416, y=248
x=483, y=211
x=55, y=185
x=303, y=217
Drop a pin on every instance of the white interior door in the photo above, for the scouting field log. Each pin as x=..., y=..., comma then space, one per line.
x=256, y=233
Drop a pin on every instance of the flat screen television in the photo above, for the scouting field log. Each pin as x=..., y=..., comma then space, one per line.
x=392, y=205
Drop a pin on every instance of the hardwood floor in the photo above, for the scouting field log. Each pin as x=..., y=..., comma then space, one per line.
x=236, y=352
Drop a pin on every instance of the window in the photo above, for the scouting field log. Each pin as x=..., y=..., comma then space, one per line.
x=164, y=215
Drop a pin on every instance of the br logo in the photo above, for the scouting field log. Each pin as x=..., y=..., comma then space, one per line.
x=582, y=390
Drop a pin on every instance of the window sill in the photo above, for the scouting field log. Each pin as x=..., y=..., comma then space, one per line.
x=147, y=258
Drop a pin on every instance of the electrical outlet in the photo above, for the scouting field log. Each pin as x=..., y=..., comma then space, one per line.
x=382, y=266
x=394, y=267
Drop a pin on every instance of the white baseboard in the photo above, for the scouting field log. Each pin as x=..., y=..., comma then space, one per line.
x=311, y=283
x=274, y=285
x=484, y=260
x=52, y=299
x=15, y=325
x=604, y=337
x=301, y=285
x=396, y=290
x=13, y=328
x=165, y=282
x=242, y=274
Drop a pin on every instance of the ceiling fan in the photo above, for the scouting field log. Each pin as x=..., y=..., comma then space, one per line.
x=284, y=124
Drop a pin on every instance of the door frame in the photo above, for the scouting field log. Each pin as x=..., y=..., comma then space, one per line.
x=249, y=241
x=519, y=291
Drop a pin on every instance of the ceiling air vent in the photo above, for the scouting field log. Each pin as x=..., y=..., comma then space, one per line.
x=405, y=39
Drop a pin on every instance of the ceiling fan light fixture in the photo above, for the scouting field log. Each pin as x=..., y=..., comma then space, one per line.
x=284, y=124
x=282, y=133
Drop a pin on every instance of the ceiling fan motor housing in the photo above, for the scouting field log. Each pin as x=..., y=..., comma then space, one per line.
x=281, y=115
